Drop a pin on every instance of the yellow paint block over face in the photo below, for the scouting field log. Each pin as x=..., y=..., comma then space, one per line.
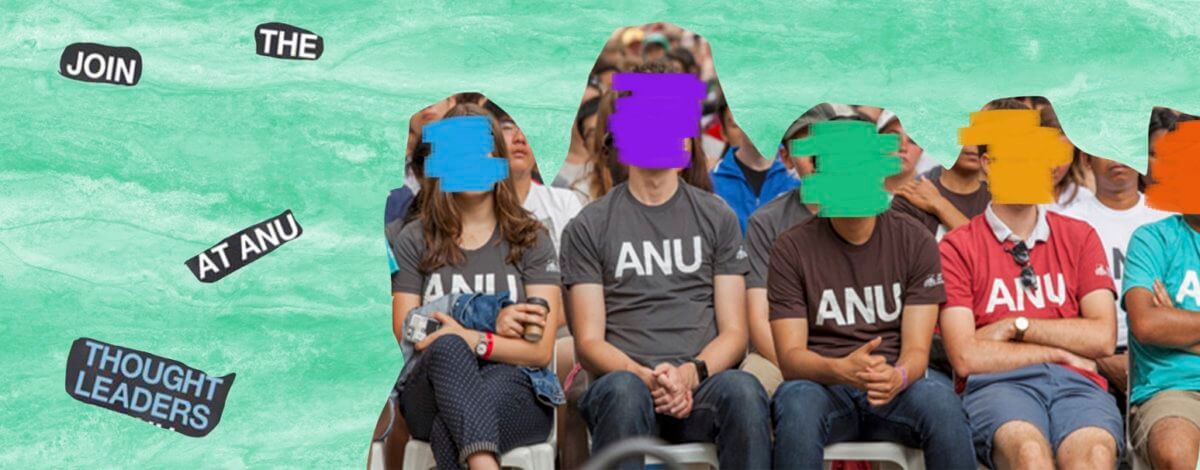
x=1022, y=155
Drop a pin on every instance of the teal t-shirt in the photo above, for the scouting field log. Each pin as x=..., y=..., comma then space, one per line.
x=1167, y=250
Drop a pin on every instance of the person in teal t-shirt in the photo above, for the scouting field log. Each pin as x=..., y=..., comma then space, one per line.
x=1162, y=296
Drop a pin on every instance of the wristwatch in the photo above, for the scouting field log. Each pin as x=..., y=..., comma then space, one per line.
x=701, y=370
x=483, y=347
x=1022, y=325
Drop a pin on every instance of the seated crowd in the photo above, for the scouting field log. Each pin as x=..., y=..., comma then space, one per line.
x=712, y=303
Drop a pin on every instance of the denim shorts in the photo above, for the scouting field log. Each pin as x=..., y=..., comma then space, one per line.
x=1057, y=400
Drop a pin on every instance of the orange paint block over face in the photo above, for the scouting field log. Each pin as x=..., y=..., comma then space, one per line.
x=1174, y=170
x=1022, y=155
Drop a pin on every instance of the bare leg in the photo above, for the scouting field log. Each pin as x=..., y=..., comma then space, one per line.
x=1021, y=445
x=483, y=461
x=1174, y=444
x=1087, y=448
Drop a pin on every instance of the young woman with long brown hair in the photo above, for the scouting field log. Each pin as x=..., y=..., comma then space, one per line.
x=469, y=395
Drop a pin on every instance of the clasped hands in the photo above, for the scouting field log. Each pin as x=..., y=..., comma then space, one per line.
x=671, y=387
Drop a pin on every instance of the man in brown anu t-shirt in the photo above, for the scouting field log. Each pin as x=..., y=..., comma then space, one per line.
x=853, y=303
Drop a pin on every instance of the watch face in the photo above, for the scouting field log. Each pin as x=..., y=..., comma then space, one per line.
x=480, y=348
x=1022, y=323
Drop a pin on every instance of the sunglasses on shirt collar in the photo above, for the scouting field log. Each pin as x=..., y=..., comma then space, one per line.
x=1020, y=254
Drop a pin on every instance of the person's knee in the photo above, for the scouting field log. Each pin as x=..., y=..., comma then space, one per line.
x=1089, y=447
x=797, y=399
x=622, y=389
x=1021, y=445
x=939, y=407
x=739, y=388
x=448, y=346
x=1174, y=443
x=741, y=397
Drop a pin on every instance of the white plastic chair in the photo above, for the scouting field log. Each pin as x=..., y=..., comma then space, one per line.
x=896, y=455
x=692, y=456
x=419, y=456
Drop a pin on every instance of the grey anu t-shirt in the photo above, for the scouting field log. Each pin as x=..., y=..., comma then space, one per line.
x=484, y=270
x=764, y=226
x=657, y=266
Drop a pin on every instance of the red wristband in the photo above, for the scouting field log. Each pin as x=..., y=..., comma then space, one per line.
x=488, y=352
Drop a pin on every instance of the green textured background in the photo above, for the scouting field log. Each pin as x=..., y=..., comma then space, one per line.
x=106, y=190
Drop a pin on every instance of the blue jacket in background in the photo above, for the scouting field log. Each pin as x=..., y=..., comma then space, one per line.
x=478, y=312
x=730, y=183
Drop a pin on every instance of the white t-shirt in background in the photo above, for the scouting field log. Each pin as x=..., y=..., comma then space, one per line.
x=1062, y=205
x=1115, y=227
x=553, y=207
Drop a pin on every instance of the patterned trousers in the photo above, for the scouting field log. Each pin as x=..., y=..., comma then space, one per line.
x=462, y=405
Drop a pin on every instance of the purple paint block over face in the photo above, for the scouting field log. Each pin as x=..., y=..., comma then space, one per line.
x=653, y=116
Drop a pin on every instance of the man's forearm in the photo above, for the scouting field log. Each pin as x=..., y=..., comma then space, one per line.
x=1167, y=327
x=950, y=216
x=914, y=364
x=802, y=364
x=599, y=358
x=987, y=356
x=725, y=351
x=1087, y=337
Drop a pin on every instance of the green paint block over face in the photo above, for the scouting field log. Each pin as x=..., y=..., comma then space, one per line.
x=852, y=160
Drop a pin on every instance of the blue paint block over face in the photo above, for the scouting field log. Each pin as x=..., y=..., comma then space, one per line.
x=459, y=154
x=650, y=124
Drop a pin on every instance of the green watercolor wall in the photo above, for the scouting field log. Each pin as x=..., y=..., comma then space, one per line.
x=106, y=190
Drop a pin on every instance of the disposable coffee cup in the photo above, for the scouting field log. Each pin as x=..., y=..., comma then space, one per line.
x=533, y=333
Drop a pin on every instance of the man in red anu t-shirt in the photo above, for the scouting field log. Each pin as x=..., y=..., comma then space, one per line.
x=1029, y=307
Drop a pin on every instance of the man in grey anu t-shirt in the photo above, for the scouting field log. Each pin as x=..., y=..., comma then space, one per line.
x=655, y=276
x=762, y=229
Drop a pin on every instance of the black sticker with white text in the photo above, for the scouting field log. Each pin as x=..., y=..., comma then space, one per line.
x=161, y=391
x=97, y=63
x=284, y=41
x=244, y=247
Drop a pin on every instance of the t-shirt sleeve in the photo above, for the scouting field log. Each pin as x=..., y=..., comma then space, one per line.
x=1144, y=261
x=408, y=248
x=730, y=254
x=925, y=284
x=391, y=257
x=539, y=263
x=785, y=282
x=1093, y=270
x=581, y=261
x=758, y=245
x=956, y=274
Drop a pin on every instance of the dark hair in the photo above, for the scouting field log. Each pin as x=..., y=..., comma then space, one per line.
x=472, y=97
x=662, y=65
x=685, y=57
x=604, y=67
x=1163, y=119
x=586, y=110
x=496, y=111
x=1006, y=103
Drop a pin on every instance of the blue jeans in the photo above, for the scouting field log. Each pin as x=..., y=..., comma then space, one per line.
x=928, y=416
x=730, y=409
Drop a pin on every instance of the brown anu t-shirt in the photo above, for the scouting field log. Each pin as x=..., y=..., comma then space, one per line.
x=849, y=293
